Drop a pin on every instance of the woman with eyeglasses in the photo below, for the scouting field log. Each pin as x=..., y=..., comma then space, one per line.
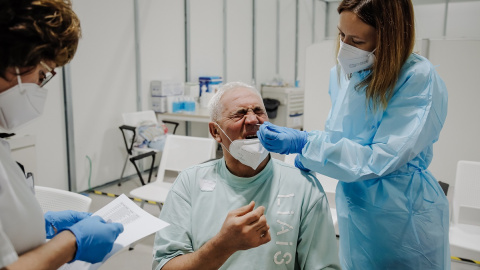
x=37, y=36
x=388, y=108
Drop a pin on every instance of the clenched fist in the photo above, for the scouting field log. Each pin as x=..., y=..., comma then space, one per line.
x=244, y=228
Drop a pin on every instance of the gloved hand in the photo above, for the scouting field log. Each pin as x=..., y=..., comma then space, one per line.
x=95, y=238
x=299, y=164
x=61, y=220
x=281, y=139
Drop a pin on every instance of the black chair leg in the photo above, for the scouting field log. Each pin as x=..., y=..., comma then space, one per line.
x=140, y=157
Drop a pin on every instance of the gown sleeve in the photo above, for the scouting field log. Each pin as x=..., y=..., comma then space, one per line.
x=410, y=124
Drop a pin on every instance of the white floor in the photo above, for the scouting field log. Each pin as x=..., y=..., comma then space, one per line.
x=140, y=257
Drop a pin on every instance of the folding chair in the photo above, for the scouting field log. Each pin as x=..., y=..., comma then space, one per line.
x=465, y=225
x=130, y=123
x=179, y=153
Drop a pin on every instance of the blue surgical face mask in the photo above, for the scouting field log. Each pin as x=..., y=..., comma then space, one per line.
x=21, y=104
x=353, y=59
x=249, y=152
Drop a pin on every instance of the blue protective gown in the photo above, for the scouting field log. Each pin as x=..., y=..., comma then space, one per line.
x=392, y=213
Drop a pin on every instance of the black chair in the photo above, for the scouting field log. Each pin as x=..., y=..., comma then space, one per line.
x=129, y=132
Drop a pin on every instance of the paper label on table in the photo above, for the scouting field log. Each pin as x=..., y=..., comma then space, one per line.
x=137, y=223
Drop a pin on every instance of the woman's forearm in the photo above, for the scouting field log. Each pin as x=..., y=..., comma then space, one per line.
x=51, y=255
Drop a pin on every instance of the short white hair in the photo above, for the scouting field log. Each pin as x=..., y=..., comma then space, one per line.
x=215, y=106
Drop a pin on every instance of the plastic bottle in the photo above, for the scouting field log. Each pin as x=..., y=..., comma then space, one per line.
x=177, y=105
x=205, y=98
x=189, y=105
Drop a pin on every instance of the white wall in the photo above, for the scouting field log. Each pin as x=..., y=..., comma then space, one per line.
x=162, y=38
x=103, y=86
x=103, y=71
x=265, y=60
x=317, y=77
x=287, y=40
x=206, y=38
x=239, y=41
x=463, y=17
x=459, y=139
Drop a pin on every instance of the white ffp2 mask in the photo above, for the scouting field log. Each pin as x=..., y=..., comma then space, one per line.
x=21, y=104
x=249, y=152
x=353, y=59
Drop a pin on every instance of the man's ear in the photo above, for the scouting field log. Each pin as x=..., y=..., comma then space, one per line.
x=214, y=131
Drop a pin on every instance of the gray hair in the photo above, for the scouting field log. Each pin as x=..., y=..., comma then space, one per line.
x=215, y=106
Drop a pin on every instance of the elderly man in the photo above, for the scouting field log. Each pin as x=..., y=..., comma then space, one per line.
x=246, y=210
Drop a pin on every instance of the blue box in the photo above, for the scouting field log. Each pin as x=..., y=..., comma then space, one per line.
x=209, y=84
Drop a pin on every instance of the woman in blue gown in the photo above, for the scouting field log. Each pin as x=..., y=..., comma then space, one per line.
x=388, y=107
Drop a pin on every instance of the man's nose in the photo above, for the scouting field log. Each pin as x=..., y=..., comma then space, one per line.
x=251, y=117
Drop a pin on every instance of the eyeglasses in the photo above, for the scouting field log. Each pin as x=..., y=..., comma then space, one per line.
x=49, y=75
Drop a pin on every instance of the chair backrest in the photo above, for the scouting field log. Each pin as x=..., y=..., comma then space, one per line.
x=52, y=199
x=466, y=197
x=135, y=118
x=329, y=184
x=290, y=159
x=181, y=152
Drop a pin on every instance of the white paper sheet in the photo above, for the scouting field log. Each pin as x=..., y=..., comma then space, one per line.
x=136, y=223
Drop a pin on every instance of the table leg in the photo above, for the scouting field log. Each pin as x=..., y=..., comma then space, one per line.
x=188, y=128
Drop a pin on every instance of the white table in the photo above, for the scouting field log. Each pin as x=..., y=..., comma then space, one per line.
x=200, y=115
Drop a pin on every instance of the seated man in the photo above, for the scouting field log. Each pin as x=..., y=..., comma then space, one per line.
x=211, y=206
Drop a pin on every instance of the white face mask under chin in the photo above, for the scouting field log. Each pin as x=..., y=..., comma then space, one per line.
x=353, y=59
x=21, y=104
x=249, y=152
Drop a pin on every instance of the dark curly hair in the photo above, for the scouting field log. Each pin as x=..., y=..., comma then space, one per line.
x=36, y=30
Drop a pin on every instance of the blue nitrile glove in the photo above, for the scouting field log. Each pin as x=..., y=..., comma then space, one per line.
x=60, y=220
x=281, y=139
x=299, y=164
x=95, y=238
